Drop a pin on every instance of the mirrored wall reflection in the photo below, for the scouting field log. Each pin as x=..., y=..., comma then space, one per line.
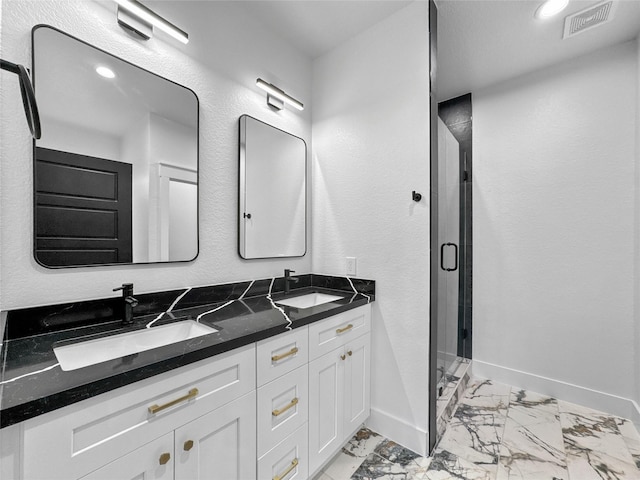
x=273, y=192
x=116, y=169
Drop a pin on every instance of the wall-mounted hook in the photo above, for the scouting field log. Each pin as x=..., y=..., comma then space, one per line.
x=415, y=196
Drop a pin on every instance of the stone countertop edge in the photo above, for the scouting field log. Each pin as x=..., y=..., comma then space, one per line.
x=37, y=385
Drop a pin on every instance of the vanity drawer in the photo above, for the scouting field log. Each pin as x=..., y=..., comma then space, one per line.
x=288, y=460
x=283, y=406
x=281, y=354
x=336, y=331
x=71, y=442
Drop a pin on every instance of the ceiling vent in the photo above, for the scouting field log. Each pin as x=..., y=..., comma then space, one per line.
x=588, y=18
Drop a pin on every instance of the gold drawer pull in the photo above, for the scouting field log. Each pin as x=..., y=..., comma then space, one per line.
x=292, y=403
x=343, y=356
x=350, y=352
x=342, y=330
x=164, y=458
x=294, y=464
x=157, y=408
x=188, y=445
x=293, y=351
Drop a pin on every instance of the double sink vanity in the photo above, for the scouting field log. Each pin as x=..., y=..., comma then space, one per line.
x=234, y=381
x=263, y=379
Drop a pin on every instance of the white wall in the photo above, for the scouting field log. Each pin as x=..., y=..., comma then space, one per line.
x=225, y=55
x=172, y=143
x=371, y=149
x=553, y=222
x=84, y=141
x=135, y=150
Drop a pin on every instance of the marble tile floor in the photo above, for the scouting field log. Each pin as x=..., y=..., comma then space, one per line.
x=503, y=433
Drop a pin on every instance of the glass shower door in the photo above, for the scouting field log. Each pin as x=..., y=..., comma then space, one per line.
x=449, y=242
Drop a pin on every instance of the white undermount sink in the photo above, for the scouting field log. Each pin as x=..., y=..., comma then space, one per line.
x=87, y=353
x=309, y=300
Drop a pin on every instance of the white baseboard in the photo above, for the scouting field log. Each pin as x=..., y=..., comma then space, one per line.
x=605, y=402
x=398, y=430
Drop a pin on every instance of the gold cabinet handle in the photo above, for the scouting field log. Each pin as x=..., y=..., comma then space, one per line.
x=342, y=330
x=164, y=458
x=157, y=408
x=292, y=403
x=343, y=356
x=188, y=445
x=350, y=352
x=293, y=351
x=294, y=464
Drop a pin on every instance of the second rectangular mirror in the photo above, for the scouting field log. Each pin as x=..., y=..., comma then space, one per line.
x=273, y=192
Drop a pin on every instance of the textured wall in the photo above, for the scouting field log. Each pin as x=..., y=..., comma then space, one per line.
x=371, y=149
x=227, y=52
x=553, y=222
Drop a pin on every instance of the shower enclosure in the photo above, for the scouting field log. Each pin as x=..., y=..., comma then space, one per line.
x=451, y=260
x=449, y=246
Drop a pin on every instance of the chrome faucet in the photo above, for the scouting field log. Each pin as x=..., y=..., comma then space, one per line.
x=128, y=302
x=288, y=279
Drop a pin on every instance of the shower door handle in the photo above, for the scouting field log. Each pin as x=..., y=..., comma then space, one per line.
x=455, y=257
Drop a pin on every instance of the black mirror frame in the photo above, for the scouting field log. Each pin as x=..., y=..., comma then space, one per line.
x=33, y=30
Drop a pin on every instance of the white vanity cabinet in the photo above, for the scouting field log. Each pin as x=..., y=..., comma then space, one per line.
x=216, y=446
x=339, y=382
x=277, y=409
x=103, y=431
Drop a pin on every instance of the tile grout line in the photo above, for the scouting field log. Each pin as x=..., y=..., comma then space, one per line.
x=564, y=449
x=504, y=429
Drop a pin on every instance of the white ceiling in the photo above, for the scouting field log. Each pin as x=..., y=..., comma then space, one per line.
x=483, y=42
x=318, y=26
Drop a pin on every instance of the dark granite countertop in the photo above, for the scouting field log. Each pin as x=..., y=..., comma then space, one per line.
x=32, y=382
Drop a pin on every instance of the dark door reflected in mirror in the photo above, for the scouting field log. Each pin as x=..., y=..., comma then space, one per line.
x=116, y=169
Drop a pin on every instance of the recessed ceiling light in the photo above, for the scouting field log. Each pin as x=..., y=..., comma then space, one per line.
x=550, y=8
x=105, y=72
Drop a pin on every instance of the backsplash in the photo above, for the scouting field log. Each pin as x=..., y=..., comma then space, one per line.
x=37, y=320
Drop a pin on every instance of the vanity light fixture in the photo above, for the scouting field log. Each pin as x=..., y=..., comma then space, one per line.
x=136, y=18
x=105, y=72
x=551, y=8
x=276, y=97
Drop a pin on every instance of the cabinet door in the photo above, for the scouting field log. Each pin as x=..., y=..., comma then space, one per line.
x=220, y=445
x=357, y=402
x=153, y=461
x=326, y=405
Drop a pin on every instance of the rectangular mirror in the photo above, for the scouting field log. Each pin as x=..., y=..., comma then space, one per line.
x=116, y=169
x=273, y=192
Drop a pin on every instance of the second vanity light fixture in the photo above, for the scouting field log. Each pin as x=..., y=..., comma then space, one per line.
x=276, y=97
x=136, y=18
